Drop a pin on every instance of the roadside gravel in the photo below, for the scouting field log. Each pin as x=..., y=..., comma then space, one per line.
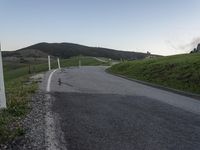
x=33, y=125
x=41, y=126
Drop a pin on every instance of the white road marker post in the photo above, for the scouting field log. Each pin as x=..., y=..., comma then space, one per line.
x=49, y=62
x=58, y=63
x=2, y=87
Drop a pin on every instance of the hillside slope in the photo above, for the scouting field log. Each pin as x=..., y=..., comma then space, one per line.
x=180, y=71
x=67, y=50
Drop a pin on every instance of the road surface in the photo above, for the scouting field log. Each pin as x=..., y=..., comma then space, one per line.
x=99, y=111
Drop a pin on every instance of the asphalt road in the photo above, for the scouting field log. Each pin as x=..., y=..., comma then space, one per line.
x=99, y=111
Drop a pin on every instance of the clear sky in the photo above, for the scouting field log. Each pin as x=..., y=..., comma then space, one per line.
x=160, y=26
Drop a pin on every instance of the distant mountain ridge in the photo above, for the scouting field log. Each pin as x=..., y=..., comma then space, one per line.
x=67, y=50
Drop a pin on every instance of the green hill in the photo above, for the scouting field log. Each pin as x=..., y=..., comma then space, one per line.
x=180, y=71
x=67, y=50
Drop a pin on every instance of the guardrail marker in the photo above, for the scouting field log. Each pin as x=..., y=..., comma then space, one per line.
x=49, y=62
x=2, y=87
x=58, y=63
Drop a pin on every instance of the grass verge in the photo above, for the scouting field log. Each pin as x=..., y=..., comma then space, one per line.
x=17, y=92
x=180, y=72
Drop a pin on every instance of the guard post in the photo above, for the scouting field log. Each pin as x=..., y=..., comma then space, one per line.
x=2, y=87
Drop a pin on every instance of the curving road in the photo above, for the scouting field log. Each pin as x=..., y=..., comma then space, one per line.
x=99, y=111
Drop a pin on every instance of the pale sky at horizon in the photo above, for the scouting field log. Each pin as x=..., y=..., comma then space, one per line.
x=164, y=27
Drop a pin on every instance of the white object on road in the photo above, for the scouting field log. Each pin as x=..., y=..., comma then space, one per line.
x=52, y=124
x=49, y=80
x=58, y=63
x=2, y=87
x=49, y=62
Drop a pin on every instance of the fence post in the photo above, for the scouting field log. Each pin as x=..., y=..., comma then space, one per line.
x=49, y=62
x=58, y=63
x=2, y=87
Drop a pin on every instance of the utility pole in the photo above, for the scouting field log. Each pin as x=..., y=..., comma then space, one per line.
x=58, y=63
x=49, y=62
x=2, y=87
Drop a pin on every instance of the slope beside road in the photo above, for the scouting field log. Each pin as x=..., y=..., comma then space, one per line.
x=91, y=109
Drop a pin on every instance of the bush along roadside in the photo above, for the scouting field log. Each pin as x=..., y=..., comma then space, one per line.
x=18, y=92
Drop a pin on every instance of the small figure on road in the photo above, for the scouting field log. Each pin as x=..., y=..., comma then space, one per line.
x=59, y=81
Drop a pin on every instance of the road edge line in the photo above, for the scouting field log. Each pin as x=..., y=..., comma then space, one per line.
x=52, y=123
x=49, y=81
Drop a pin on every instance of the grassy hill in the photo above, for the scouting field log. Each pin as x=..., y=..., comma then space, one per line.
x=67, y=50
x=180, y=71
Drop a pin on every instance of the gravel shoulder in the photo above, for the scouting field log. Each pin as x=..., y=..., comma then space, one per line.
x=33, y=125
